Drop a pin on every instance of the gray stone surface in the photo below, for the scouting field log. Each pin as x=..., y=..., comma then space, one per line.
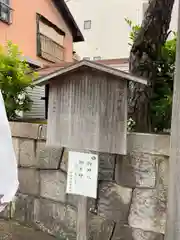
x=16, y=145
x=106, y=175
x=100, y=228
x=114, y=201
x=136, y=170
x=48, y=157
x=27, y=153
x=53, y=185
x=64, y=161
x=148, y=210
x=28, y=181
x=106, y=166
x=139, y=234
x=40, y=146
x=22, y=208
x=162, y=164
x=124, y=232
x=72, y=200
x=148, y=143
x=145, y=169
x=56, y=218
x=28, y=130
x=14, y=231
x=24, y=130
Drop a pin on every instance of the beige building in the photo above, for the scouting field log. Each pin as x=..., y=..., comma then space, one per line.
x=103, y=25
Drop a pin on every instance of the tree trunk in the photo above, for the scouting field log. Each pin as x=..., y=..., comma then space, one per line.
x=144, y=52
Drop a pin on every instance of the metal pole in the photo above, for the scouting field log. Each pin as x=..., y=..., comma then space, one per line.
x=173, y=216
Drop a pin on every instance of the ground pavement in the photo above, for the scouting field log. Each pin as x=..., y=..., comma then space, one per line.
x=13, y=231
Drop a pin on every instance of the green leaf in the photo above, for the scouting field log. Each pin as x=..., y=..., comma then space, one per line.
x=15, y=77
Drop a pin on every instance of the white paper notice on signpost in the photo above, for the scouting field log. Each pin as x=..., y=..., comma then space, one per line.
x=82, y=174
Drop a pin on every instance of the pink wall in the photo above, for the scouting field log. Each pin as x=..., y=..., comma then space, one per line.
x=22, y=31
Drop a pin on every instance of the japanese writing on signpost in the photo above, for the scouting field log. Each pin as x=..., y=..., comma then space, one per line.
x=82, y=174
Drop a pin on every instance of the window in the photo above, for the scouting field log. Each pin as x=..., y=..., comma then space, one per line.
x=5, y=11
x=86, y=58
x=87, y=24
x=51, y=50
x=50, y=41
x=97, y=58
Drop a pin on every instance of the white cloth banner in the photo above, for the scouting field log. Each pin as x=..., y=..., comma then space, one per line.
x=8, y=167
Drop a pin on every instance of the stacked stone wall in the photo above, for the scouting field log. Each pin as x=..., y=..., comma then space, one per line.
x=132, y=189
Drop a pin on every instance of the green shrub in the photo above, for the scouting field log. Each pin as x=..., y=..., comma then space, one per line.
x=15, y=78
x=161, y=100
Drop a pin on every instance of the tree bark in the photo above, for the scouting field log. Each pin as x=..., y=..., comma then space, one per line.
x=144, y=52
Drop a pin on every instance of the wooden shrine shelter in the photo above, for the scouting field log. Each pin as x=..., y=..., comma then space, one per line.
x=88, y=107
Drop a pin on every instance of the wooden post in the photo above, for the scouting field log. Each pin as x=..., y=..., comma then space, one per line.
x=82, y=181
x=82, y=219
x=173, y=216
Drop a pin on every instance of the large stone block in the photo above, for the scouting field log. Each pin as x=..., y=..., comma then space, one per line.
x=56, y=218
x=72, y=200
x=48, y=157
x=149, y=143
x=139, y=234
x=106, y=175
x=107, y=161
x=53, y=185
x=27, y=153
x=40, y=146
x=162, y=164
x=29, y=181
x=28, y=130
x=136, y=170
x=114, y=201
x=16, y=145
x=64, y=161
x=106, y=166
x=11, y=230
x=23, y=208
x=24, y=130
x=100, y=228
x=148, y=210
x=124, y=232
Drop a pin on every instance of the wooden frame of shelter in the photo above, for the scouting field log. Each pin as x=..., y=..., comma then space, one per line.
x=88, y=107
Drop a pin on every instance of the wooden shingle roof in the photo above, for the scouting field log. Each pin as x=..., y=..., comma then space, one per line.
x=48, y=73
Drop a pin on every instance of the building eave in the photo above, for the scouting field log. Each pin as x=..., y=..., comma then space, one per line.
x=69, y=19
x=74, y=66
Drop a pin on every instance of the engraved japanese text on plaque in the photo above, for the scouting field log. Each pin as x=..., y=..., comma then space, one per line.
x=82, y=174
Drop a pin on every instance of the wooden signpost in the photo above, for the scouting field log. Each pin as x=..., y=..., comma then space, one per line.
x=87, y=111
x=82, y=180
x=82, y=174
